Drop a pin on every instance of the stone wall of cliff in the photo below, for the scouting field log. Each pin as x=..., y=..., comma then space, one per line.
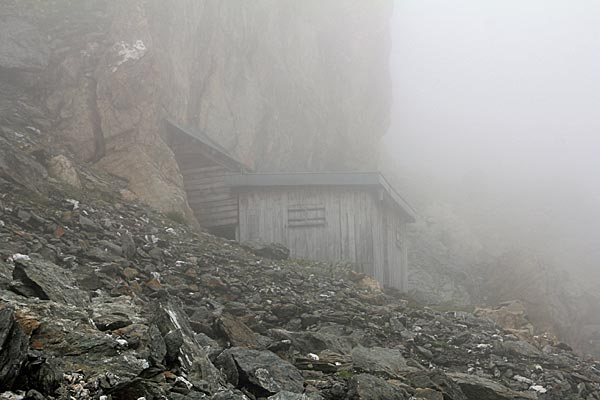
x=282, y=84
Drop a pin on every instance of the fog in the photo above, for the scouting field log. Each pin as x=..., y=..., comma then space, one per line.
x=496, y=112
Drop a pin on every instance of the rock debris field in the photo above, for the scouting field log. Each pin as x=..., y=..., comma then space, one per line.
x=105, y=299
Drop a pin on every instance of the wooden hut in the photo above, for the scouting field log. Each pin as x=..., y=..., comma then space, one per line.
x=204, y=165
x=356, y=217
x=341, y=216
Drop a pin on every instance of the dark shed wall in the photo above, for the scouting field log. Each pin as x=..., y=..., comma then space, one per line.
x=204, y=179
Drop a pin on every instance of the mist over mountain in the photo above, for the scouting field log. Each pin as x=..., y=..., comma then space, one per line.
x=494, y=132
x=191, y=207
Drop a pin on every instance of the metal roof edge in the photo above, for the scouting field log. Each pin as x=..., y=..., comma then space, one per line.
x=207, y=141
x=342, y=178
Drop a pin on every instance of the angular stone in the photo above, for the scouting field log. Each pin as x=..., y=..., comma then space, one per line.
x=274, y=251
x=87, y=224
x=63, y=170
x=135, y=389
x=378, y=360
x=47, y=281
x=369, y=387
x=261, y=371
x=428, y=394
x=13, y=348
x=479, y=388
x=235, y=331
x=521, y=348
x=285, y=395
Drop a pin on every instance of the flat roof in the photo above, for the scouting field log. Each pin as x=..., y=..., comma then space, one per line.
x=374, y=179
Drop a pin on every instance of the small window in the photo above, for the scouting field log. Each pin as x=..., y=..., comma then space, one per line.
x=313, y=215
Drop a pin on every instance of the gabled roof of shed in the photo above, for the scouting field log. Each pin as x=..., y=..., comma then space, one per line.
x=205, y=140
x=361, y=179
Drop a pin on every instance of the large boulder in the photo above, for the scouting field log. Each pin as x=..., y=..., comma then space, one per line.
x=13, y=348
x=378, y=360
x=479, y=388
x=46, y=281
x=369, y=387
x=261, y=372
x=20, y=168
x=62, y=169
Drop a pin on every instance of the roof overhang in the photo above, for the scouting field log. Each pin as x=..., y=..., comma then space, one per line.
x=215, y=148
x=346, y=179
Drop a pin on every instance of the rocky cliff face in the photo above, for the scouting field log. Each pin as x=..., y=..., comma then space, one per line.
x=284, y=85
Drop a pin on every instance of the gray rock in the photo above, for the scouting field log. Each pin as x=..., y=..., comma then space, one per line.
x=438, y=381
x=19, y=168
x=62, y=169
x=47, y=281
x=479, y=388
x=13, y=348
x=173, y=342
x=229, y=395
x=261, y=369
x=520, y=348
x=235, y=331
x=295, y=396
x=274, y=251
x=156, y=345
x=33, y=394
x=22, y=45
x=378, y=360
x=135, y=389
x=111, y=322
x=369, y=387
x=88, y=225
x=314, y=342
x=127, y=245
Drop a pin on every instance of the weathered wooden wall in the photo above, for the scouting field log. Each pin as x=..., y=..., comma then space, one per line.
x=204, y=179
x=394, y=246
x=342, y=225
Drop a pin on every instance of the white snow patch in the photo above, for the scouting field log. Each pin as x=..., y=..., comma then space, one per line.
x=156, y=275
x=171, y=231
x=313, y=356
x=484, y=346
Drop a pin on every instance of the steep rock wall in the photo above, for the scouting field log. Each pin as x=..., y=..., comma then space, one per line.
x=282, y=84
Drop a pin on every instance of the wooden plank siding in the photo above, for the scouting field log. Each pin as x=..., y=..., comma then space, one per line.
x=358, y=227
x=204, y=172
x=209, y=197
